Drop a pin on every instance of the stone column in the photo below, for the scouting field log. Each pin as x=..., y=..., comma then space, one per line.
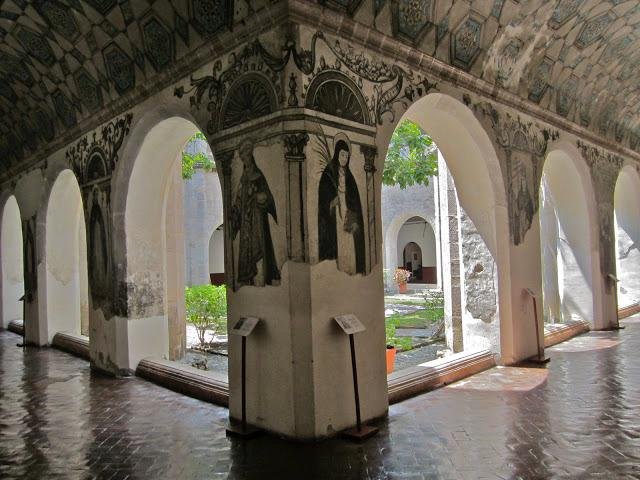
x=35, y=332
x=451, y=253
x=174, y=232
x=299, y=380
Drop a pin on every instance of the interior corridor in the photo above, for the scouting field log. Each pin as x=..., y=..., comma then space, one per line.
x=576, y=419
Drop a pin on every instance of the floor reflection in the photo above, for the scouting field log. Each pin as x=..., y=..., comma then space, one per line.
x=575, y=419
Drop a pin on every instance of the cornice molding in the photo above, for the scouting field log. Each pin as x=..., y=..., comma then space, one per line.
x=313, y=15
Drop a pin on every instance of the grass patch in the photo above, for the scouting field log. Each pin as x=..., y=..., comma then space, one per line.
x=403, y=302
x=417, y=319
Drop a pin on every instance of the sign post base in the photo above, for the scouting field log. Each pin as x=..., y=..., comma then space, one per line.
x=615, y=327
x=539, y=360
x=359, y=434
x=237, y=430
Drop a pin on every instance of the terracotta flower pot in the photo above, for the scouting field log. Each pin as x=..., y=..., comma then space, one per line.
x=402, y=287
x=391, y=358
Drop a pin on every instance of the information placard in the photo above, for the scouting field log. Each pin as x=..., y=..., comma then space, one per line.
x=349, y=323
x=245, y=326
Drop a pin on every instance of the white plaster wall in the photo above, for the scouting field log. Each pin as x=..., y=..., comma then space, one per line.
x=12, y=262
x=627, y=225
x=423, y=235
x=216, y=252
x=202, y=214
x=332, y=294
x=551, y=258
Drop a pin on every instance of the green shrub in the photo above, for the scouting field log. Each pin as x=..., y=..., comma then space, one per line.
x=401, y=343
x=189, y=161
x=433, y=298
x=206, y=308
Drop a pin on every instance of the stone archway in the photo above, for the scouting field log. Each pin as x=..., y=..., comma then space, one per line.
x=568, y=234
x=65, y=291
x=154, y=241
x=11, y=255
x=472, y=161
x=627, y=227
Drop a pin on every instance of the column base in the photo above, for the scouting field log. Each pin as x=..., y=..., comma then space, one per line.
x=614, y=327
x=236, y=429
x=539, y=360
x=361, y=434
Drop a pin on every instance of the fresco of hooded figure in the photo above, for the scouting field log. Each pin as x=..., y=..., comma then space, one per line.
x=250, y=220
x=340, y=224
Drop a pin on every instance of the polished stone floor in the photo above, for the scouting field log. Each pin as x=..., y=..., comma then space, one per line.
x=578, y=419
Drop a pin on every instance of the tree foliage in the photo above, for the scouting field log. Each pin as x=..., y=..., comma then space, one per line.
x=412, y=157
x=189, y=161
x=206, y=308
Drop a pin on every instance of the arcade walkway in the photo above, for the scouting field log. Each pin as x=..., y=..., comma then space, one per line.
x=57, y=420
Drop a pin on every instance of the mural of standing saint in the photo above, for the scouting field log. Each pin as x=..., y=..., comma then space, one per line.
x=340, y=224
x=250, y=220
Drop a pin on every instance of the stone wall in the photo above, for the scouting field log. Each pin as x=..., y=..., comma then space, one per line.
x=202, y=215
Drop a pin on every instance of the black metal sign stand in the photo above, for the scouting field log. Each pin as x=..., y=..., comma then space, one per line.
x=235, y=428
x=615, y=281
x=24, y=330
x=540, y=357
x=351, y=325
x=360, y=432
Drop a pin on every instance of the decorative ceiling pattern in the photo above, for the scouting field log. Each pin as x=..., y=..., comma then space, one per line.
x=63, y=60
x=577, y=58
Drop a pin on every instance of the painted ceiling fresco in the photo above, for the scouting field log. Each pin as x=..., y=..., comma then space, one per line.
x=577, y=58
x=64, y=60
x=61, y=61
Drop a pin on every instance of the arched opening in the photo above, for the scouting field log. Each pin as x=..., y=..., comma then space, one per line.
x=567, y=240
x=12, y=262
x=471, y=213
x=160, y=232
x=627, y=227
x=216, y=256
x=412, y=260
x=66, y=285
x=417, y=244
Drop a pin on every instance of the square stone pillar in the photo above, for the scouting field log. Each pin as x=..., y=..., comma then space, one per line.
x=302, y=243
x=451, y=253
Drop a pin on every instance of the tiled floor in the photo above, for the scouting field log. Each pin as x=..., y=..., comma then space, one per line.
x=57, y=420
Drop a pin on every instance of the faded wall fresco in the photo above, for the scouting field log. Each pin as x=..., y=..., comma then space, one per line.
x=93, y=159
x=604, y=168
x=524, y=145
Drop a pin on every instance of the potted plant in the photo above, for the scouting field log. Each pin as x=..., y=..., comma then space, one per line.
x=390, y=329
x=401, y=277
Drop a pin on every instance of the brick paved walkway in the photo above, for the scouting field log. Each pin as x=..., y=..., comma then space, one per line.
x=57, y=420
